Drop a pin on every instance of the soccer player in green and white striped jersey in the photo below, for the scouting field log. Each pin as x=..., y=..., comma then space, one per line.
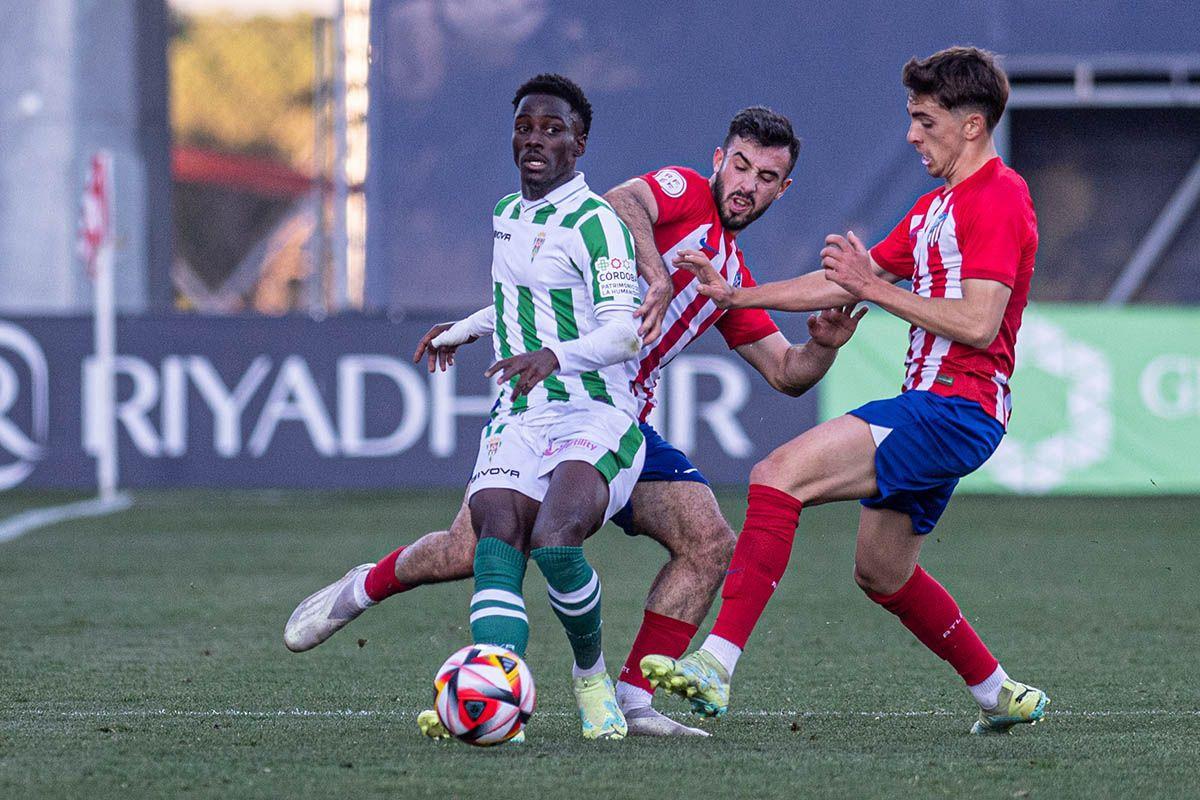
x=562, y=450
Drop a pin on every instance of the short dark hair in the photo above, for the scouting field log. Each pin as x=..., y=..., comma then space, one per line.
x=560, y=86
x=960, y=77
x=769, y=129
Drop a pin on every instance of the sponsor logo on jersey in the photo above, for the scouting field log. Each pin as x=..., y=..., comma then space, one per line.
x=492, y=471
x=537, y=244
x=707, y=248
x=616, y=276
x=736, y=280
x=502, y=236
x=671, y=182
x=567, y=444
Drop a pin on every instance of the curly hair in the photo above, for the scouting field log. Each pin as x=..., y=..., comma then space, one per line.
x=559, y=86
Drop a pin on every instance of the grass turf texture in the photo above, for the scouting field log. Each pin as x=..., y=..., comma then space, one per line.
x=142, y=655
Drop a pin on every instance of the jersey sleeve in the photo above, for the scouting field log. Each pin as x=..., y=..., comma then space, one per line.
x=608, y=264
x=895, y=252
x=680, y=193
x=742, y=326
x=991, y=240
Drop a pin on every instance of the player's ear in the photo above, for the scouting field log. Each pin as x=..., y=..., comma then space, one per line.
x=783, y=187
x=718, y=160
x=974, y=126
x=580, y=144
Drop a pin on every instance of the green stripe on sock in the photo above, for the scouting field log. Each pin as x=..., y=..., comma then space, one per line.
x=499, y=565
x=566, y=570
x=525, y=316
x=613, y=462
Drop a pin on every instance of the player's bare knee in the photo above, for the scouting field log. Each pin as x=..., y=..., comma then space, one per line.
x=875, y=578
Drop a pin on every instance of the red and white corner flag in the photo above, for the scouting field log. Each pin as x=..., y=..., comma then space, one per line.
x=95, y=217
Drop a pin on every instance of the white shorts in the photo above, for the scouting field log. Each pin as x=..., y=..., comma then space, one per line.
x=520, y=451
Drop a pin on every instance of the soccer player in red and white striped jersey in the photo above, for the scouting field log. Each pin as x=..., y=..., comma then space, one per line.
x=968, y=247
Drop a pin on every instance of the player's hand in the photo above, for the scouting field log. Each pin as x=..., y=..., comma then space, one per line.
x=654, y=307
x=848, y=264
x=438, y=357
x=532, y=369
x=833, y=327
x=708, y=281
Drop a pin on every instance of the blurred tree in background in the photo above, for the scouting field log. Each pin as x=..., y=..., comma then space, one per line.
x=244, y=85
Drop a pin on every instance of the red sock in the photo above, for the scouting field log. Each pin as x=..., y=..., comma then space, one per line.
x=658, y=635
x=928, y=610
x=759, y=561
x=381, y=580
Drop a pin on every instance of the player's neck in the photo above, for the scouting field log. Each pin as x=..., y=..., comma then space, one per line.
x=536, y=191
x=973, y=160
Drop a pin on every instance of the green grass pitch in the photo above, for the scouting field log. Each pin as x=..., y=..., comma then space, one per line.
x=141, y=655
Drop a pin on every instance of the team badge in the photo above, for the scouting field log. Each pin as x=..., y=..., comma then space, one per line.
x=537, y=245
x=493, y=444
x=671, y=182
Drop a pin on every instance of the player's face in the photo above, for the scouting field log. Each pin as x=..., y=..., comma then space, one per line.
x=938, y=134
x=747, y=178
x=546, y=142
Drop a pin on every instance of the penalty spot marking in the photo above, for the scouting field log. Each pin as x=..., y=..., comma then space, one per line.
x=20, y=524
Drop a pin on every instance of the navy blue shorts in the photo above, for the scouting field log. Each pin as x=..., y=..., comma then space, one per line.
x=664, y=462
x=924, y=444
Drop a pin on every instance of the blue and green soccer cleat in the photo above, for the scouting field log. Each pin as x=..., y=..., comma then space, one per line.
x=697, y=677
x=599, y=714
x=1018, y=704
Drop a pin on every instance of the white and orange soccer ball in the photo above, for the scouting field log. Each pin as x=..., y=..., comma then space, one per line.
x=484, y=694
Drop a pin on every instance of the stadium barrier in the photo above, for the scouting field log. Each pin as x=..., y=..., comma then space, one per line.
x=1105, y=401
x=292, y=402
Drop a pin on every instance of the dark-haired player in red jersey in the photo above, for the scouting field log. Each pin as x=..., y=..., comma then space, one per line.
x=667, y=211
x=968, y=248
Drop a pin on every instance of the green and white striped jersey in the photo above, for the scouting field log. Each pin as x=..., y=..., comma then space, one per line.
x=555, y=261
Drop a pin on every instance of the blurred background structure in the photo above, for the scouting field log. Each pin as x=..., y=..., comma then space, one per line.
x=332, y=162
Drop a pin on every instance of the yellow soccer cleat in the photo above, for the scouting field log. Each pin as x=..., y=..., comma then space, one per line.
x=697, y=677
x=431, y=726
x=599, y=713
x=1018, y=704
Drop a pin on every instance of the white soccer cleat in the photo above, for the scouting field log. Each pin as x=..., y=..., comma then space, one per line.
x=645, y=721
x=324, y=613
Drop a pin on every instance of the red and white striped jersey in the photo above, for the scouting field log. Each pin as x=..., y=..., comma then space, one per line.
x=984, y=227
x=688, y=219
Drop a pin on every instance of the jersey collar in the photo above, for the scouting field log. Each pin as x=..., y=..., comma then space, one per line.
x=559, y=195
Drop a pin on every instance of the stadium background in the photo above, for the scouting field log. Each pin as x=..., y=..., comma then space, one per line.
x=298, y=197
x=360, y=254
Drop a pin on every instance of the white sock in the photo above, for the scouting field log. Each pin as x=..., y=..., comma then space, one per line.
x=987, y=694
x=360, y=590
x=630, y=697
x=724, y=651
x=594, y=669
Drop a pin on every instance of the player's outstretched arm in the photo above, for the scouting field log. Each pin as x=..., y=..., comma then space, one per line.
x=809, y=292
x=635, y=205
x=795, y=368
x=973, y=320
x=440, y=342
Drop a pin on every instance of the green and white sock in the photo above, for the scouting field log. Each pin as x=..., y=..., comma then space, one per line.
x=574, y=589
x=497, y=607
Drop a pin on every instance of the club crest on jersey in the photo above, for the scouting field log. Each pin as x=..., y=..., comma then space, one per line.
x=736, y=280
x=537, y=244
x=493, y=444
x=671, y=182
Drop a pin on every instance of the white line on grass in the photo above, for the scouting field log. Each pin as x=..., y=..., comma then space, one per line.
x=350, y=713
x=20, y=524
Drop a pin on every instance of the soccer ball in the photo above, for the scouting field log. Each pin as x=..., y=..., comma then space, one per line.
x=484, y=694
